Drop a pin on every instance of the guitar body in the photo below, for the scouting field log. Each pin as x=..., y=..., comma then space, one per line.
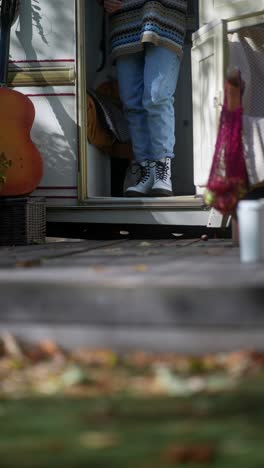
x=20, y=161
x=17, y=115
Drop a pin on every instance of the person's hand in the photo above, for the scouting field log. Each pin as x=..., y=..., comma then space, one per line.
x=111, y=6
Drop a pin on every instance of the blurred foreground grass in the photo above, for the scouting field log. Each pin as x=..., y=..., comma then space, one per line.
x=97, y=409
x=220, y=431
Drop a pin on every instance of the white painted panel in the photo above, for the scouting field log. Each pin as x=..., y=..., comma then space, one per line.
x=54, y=133
x=226, y=9
x=208, y=84
x=45, y=29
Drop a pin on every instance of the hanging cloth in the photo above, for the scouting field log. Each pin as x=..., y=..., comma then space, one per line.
x=228, y=179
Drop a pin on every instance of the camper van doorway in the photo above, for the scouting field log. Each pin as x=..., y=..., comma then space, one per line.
x=105, y=172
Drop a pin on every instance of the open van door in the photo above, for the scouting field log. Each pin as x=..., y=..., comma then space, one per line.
x=55, y=55
x=101, y=203
x=225, y=9
x=211, y=55
x=209, y=61
x=43, y=66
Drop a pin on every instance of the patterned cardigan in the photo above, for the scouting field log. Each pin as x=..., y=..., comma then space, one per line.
x=161, y=22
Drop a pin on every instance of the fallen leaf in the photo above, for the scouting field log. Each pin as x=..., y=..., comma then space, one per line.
x=28, y=263
x=96, y=357
x=73, y=376
x=99, y=440
x=177, y=454
x=98, y=268
x=46, y=349
x=11, y=346
x=141, y=268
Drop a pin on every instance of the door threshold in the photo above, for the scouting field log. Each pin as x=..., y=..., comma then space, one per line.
x=180, y=211
x=179, y=202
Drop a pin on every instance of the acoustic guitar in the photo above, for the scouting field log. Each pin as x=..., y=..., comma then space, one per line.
x=21, y=166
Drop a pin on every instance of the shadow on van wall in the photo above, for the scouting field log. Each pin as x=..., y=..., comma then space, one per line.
x=36, y=17
x=53, y=146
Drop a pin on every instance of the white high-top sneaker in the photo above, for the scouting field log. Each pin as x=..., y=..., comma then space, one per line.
x=144, y=181
x=162, y=179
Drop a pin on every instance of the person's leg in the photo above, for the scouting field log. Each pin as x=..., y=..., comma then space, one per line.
x=160, y=80
x=130, y=75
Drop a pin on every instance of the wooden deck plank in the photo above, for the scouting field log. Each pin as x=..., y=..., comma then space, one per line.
x=135, y=291
x=10, y=256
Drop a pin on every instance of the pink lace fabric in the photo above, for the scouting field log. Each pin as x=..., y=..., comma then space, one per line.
x=228, y=180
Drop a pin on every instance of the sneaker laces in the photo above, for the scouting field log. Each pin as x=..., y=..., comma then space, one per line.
x=142, y=173
x=162, y=170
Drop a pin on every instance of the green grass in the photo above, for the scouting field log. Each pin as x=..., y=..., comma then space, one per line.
x=131, y=433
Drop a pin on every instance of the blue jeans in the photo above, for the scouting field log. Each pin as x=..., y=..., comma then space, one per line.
x=147, y=83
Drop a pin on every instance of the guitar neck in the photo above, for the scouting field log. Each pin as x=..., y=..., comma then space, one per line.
x=4, y=55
